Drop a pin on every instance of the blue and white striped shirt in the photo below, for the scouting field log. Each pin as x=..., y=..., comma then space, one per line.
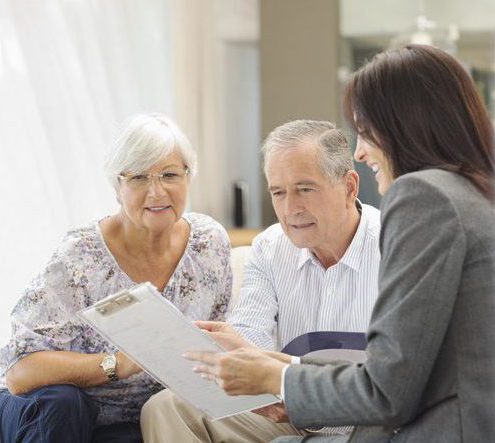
x=285, y=289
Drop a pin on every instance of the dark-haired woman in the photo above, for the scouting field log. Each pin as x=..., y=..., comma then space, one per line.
x=430, y=372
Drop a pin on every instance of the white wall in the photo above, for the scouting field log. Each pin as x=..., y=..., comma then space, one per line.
x=242, y=128
x=365, y=17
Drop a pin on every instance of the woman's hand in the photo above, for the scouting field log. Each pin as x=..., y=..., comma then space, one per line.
x=246, y=371
x=224, y=334
x=125, y=366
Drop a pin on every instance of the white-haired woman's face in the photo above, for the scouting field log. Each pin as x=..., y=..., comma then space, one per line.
x=155, y=199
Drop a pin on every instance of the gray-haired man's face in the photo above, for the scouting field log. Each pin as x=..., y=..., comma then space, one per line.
x=312, y=209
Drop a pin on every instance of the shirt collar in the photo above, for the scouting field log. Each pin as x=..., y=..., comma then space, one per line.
x=353, y=254
x=304, y=255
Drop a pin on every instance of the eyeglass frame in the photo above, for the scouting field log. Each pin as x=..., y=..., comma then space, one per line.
x=150, y=177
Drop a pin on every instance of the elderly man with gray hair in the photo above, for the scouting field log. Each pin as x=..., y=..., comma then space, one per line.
x=312, y=274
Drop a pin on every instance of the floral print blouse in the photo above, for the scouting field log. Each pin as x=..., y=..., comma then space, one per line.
x=83, y=271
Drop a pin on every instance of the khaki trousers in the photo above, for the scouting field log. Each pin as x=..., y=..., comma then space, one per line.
x=166, y=418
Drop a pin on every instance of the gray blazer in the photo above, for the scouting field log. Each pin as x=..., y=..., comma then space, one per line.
x=430, y=369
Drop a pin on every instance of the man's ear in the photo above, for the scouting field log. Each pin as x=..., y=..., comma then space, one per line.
x=352, y=186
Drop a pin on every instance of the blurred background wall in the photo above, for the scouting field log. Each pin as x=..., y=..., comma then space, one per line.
x=228, y=71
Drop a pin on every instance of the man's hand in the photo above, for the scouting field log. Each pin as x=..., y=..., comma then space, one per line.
x=276, y=413
x=224, y=334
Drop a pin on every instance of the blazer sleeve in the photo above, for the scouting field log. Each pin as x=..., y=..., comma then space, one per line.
x=423, y=247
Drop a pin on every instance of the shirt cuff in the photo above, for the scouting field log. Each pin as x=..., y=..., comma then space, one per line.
x=294, y=361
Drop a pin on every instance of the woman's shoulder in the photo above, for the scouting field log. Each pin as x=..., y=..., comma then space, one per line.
x=433, y=177
x=80, y=238
x=427, y=184
x=77, y=256
x=435, y=185
x=432, y=197
x=80, y=245
x=205, y=228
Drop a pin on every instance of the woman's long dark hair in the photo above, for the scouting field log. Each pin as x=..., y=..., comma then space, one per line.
x=420, y=106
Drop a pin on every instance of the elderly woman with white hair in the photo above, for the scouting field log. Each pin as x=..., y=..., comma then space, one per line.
x=67, y=383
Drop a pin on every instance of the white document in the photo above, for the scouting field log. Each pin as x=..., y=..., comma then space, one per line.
x=155, y=334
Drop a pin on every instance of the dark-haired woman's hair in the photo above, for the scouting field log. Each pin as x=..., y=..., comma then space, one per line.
x=420, y=106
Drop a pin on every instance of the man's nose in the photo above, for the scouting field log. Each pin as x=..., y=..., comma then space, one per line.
x=292, y=205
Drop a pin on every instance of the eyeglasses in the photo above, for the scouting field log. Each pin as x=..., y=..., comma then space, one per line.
x=143, y=181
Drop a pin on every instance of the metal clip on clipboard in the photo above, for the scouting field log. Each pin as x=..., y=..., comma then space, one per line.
x=120, y=301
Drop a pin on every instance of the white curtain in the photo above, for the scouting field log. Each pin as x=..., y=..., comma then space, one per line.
x=198, y=97
x=70, y=71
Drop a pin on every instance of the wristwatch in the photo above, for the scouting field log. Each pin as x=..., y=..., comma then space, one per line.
x=109, y=366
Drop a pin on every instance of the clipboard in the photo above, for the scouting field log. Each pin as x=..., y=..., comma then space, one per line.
x=155, y=334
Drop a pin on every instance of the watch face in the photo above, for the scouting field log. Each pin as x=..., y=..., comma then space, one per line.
x=108, y=362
